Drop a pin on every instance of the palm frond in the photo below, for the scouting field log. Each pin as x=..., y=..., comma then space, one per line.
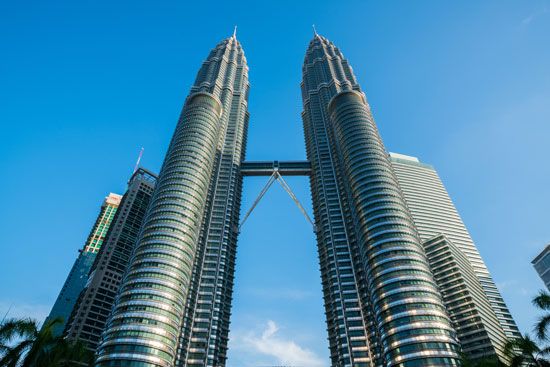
x=542, y=300
x=521, y=350
x=13, y=355
x=545, y=351
x=40, y=348
x=541, y=326
x=21, y=328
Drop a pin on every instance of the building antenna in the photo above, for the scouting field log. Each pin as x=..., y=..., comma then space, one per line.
x=7, y=312
x=235, y=32
x=314, y=30
x=138, y=160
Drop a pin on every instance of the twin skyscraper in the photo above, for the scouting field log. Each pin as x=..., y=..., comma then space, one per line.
x=403, y=283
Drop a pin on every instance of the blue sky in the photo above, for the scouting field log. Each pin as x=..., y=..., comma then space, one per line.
x=464, y=86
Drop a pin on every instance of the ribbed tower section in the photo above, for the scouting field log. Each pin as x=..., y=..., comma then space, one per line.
x=206, y=327
x=145, y=326
x=382, y=305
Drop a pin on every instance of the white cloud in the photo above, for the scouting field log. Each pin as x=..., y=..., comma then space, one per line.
x=513, y=287
x=506, y=285
x=527, y=20
x=269, y=342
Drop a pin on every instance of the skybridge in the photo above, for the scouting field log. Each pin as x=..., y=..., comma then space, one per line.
x=285, y=168
x=276, y=170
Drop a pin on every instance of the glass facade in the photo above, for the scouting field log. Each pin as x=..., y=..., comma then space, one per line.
x=382, y=303
x=174, y=301
x=76, y=280
x=542, y=265
x=94, y=304
x=204, y=336
x=476, y=324
x=97, y=236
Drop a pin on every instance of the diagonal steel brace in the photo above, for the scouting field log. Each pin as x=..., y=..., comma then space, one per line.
x=276, y=176
x=294, y=198
x=272, y=179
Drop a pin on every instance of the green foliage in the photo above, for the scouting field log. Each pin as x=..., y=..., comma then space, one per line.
x=22, y=344
x=524, y=351
x=542, y=301
x=486, y=362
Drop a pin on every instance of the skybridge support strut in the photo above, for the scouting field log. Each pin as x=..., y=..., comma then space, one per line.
x=272, y=179
x=294, y=198
x=276, y=176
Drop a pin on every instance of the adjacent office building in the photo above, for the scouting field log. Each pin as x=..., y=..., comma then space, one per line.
x=76, y=280
x=542, y=265
x=94, y=304
x=174, y=302
x=434, y=213
x=475, y=322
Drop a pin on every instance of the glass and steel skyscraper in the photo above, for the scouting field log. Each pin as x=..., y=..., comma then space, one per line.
x=542, y=265
x=475, y=322
x=173, y=304
x=76, y=280
x=204, y=336
x=434, y=213
x=95, y=301
x=382, y=304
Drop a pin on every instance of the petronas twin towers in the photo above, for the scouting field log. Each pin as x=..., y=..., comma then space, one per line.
x=174, y=303
x=383, y=305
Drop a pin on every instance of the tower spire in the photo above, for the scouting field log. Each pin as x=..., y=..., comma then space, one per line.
x=138, y=160
x=235, y=32
x=314, y=30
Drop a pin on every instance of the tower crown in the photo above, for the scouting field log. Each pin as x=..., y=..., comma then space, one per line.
x=326, y=67
x=224, y=62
